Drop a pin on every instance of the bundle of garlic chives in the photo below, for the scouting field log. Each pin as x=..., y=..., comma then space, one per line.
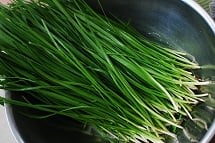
x=80, y=64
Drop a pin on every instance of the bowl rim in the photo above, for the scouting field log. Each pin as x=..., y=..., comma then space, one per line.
x=208, y=19
x=209, y=134
x=196, y=7
x=11, y=121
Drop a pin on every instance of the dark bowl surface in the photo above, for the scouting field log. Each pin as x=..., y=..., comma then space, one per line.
x=180, y=23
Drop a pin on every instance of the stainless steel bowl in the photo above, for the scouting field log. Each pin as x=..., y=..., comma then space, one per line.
x=181, y=23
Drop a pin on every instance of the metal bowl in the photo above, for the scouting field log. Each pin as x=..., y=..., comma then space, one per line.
x=180, y=23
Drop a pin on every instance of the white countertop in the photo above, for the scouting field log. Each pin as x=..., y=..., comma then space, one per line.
x=5, y=133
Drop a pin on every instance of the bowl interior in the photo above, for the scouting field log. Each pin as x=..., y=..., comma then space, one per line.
x=184, y=26
x=54, y=129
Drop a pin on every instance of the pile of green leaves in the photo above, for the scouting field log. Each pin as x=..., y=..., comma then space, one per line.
x=103, y=73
